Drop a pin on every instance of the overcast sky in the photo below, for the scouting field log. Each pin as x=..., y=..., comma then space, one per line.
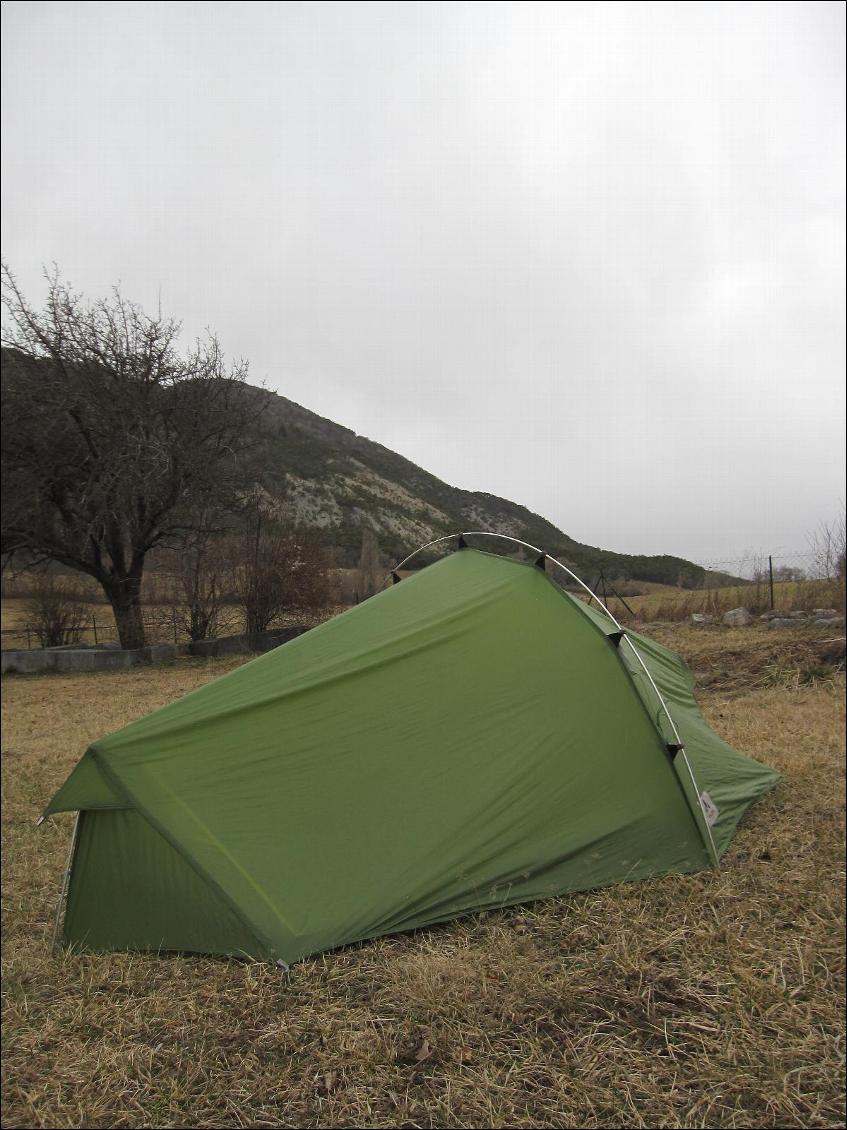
x=586, y=256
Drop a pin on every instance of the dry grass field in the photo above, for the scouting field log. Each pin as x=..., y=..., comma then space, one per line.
x=713, y=1000
x=165, y=622
x=667, y=603
x=158, y=618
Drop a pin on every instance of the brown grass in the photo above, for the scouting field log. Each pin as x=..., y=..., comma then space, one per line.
x=707, y=1000
x=670, y=604
x=738, y=660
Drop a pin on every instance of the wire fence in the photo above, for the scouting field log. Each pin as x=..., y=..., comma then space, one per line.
x=803, y=581
x=91, y=632
x=800, y=583
x=781, y=566
x=789, y=580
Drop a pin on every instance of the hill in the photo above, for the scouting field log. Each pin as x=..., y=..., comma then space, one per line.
x=342, y=482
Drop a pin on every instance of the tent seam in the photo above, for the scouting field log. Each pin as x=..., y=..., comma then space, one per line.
x=710, y=847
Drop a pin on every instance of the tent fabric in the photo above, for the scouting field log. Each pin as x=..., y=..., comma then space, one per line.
x=469, y=738
x=152, y=894
x=731, y=780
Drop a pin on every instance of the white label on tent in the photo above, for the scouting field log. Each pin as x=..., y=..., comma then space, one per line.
x=710, y=809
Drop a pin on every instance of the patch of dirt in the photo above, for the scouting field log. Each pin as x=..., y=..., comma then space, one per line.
x=750, y=658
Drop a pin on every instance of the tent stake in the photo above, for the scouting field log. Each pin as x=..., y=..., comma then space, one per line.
x=65, y=880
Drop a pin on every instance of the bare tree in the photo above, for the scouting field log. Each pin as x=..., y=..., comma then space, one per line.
x=202, y=575
x=828, y=544
x=829, y=556
x=370, y=574
x=113, y=439
x=789, y=573
x=277, y=567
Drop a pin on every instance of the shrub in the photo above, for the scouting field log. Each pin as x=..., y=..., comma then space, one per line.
x=56, y=610
x=280, y=570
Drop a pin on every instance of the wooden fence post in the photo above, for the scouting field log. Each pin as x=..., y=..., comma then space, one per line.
x=770, y=575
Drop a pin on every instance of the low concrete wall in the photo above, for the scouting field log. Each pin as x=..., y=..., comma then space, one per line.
x=85, y=659
x=111, y=658
x=255, y=642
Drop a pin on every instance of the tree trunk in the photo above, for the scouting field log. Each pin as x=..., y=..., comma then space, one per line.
x=125, y=598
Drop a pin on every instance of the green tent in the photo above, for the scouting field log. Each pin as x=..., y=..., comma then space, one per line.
x=469, y=738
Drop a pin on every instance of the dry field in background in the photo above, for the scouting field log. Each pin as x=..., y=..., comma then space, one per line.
x=158, y=619
x=666, y=603
x=655, y=603
x=707, y=1000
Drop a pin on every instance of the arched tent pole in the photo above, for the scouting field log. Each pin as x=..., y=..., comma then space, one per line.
x=713, y=851
x=516, y=541
x=420, y=549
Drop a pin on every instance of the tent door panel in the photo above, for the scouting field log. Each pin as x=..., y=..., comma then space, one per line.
x=130, y=889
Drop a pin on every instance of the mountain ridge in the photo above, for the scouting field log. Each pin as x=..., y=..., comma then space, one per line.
x=341, y=481
x=338, y=481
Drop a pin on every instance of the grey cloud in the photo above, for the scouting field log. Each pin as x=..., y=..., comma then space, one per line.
x=586, y=256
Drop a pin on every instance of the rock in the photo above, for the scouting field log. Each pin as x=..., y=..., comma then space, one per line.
x=825, y=613
x=772, y=614
x=798, y=614
x=829, y=621
x=834, y=654
x=785, y=622
x=699, y=618
x=738, y=617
